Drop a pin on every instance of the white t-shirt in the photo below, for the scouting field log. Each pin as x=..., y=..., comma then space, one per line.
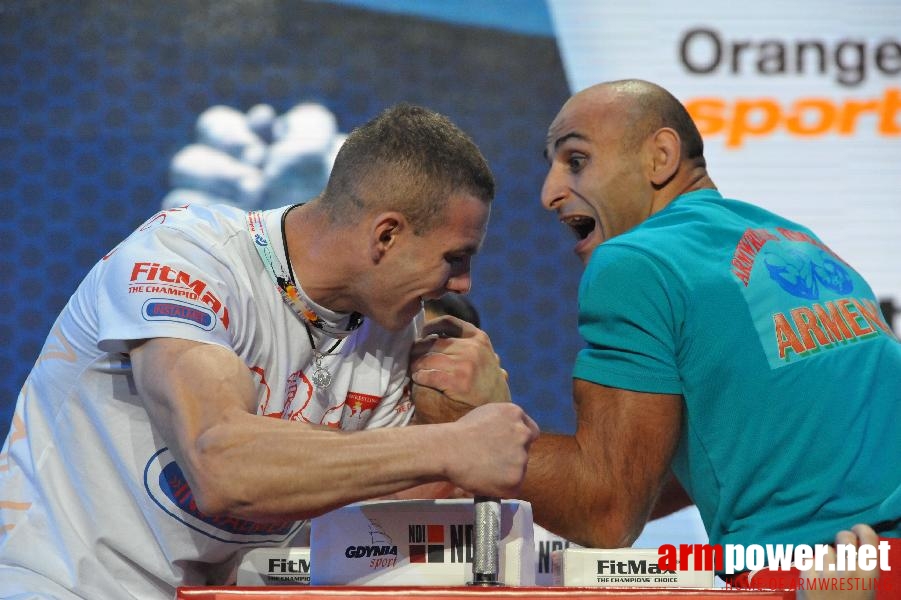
x=91, y=499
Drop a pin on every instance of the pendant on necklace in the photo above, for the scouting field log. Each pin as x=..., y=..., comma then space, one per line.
x=321, y=377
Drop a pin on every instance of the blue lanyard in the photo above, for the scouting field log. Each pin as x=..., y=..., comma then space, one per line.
x=284, y=281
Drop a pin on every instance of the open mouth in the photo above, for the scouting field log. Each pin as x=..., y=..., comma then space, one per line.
x=580, y=225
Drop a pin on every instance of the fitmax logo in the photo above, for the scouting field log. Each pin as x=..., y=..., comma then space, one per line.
x=630, y=567
x=287, y=566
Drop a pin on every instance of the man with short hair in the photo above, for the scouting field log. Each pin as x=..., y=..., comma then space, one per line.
x=220, y=376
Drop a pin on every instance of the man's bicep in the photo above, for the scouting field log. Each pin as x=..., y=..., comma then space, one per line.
x=189, y=387
x=635, y=426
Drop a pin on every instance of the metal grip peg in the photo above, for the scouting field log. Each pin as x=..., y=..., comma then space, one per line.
x=486, y=540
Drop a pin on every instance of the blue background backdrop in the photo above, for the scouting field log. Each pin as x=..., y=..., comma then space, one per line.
x=98, y=96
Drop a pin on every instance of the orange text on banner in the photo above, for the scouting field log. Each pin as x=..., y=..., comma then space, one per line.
x=739, y=119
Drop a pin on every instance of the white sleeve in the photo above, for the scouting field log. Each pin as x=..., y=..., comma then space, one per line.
x=164, y=283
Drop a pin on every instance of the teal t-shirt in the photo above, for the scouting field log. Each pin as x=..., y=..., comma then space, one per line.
x=790, y=376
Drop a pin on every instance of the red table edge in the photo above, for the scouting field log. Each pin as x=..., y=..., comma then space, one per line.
x=443, y=593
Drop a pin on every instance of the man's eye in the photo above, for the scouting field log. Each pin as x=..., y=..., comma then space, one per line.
x=575, y=162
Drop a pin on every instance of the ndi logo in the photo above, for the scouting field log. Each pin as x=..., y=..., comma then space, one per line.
x=428, y=542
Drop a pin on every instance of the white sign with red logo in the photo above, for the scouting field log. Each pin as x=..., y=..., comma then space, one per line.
x=416, y=542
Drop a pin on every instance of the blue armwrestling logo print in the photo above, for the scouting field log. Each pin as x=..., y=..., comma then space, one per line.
x=801, y=274
x=836, y=310
x=168, y=488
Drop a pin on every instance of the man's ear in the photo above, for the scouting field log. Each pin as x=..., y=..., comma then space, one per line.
x=666, y=154
x=384, y=231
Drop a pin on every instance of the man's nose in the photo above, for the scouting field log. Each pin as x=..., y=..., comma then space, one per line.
x=460, y=284
x=554, y=190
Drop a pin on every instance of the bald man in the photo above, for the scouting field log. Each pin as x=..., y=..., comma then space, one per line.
x=724, y=344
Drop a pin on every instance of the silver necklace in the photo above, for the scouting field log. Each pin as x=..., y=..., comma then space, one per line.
x=321, y=377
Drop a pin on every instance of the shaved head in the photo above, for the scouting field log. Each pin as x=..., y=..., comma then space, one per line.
x=617, y=153
x=644, y=108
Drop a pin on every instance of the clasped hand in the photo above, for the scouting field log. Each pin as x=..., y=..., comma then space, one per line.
x=454, y=369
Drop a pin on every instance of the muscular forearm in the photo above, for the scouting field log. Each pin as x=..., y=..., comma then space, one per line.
x=307, y=472
x=262, y=470
x=572, y=495
x=598, y=486
x=201, y=401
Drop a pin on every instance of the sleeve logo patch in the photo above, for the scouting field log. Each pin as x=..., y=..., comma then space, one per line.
x=170, y=309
